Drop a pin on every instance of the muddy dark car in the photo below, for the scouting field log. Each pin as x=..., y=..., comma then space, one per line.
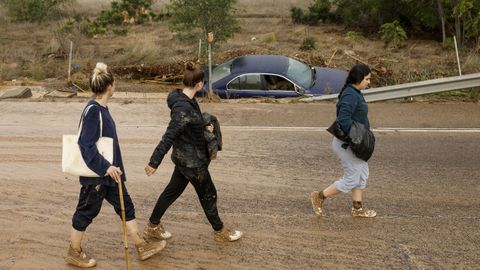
x=272, y=76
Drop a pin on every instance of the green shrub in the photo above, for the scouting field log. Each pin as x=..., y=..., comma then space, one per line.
x=393, y=32
x=449, y=43
x=37, y=72
x=137, y=10
x=194, y=19
x=308, y=44
x=318, y=11
x=297, y=14
x=109, y=17
x=120, y=31
x=33, y=10
x=474, y=95
x=354, y=36
x=67, y=31
x=90, y=29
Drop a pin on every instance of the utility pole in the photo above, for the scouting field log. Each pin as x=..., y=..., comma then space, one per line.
x=210, y=41
x=458, y=57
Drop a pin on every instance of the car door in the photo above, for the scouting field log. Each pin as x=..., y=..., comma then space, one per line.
x=279, y=87
x=246, y=85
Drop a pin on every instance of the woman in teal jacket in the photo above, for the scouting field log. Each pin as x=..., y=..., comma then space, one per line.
x=351, y=107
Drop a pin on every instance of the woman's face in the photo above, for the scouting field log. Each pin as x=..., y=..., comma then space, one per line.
x=198, y=86
x=364, y=83
x=111, y=89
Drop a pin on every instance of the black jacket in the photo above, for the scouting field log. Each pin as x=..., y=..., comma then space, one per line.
x=184, y=133
x=214, y=139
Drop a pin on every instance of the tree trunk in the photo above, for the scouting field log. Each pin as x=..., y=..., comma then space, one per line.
x=458, y=25
x=458, y=31
x=441, y=14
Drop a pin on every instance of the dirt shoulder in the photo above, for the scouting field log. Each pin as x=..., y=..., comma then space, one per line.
x=423, y=185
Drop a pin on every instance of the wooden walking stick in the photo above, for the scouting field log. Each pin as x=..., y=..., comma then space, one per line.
x=124, y=222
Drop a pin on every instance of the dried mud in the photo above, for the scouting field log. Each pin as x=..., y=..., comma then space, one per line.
x=424, y=187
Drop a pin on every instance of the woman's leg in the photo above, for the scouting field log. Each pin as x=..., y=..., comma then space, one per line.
x=203, y=184
x=357, y=195
x=89, y=205
x=349, y=180
x=144, y=249
x=132, y=228
x=113, y=197
x=172, y=191
x=75, y=254
x=76, y=239
x=358, y=209
x=330, y=191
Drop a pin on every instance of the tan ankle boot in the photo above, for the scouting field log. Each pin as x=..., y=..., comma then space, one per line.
x=227, y=235
x=79, y=258
x=317, y=203
x=147, y=249
x=363, y=212
x=156, y=232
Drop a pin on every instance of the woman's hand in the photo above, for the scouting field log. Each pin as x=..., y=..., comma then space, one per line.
x=210, y=128
x=149, y=170
x=115, y=173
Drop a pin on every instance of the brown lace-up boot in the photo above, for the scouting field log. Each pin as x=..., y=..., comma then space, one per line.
x=363, y=212
x=79, y=258
x=156, y=232
x=227, y=235
x=317, y=203
x=147, y=249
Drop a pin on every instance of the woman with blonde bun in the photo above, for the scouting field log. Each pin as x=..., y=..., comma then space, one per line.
x=185, y=133
x=95, y=189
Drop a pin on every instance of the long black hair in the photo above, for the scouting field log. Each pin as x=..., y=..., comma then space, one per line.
x=356, y=75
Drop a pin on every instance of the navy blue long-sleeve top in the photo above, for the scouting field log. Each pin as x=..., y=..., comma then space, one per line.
x=87, y=141
x=352, y=106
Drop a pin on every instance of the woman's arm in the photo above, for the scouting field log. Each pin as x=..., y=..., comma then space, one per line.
x=88, y=139
x=176, y=126
x=346, y=107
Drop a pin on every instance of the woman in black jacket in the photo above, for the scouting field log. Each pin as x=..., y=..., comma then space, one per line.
x=185, y=133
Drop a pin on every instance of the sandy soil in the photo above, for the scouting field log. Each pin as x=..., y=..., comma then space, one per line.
x=423, y=185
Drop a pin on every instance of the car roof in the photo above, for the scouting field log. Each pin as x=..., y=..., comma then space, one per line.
x=260, y=64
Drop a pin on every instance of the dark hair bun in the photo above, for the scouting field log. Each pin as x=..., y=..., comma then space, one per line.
x=190, y=66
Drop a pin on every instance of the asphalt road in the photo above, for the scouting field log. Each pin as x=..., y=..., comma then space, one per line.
x=424, y=186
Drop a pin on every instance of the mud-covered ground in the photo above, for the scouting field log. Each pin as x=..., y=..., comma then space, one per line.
x=424, y=186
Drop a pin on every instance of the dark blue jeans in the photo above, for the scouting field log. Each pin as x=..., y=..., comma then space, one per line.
x=90, y=202
x=202, y=182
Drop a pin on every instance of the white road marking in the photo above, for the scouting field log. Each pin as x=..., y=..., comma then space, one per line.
x=324, y=129
x=305, y=129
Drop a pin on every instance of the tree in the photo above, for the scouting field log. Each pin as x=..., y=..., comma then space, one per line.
x=33, y=10
x=194, y=19
x=393, y=32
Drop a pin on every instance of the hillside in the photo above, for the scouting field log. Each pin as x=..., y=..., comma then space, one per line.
x=30, y=51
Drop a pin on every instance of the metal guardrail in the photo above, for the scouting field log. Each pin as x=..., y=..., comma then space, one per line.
x=413, y=89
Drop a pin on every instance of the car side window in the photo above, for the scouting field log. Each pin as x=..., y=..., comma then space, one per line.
x=274, y=82
x=246, y=82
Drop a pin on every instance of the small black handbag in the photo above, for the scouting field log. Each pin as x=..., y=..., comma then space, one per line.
x=360, y=139
x=337, y=131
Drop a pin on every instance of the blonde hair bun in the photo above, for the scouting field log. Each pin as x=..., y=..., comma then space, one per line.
x=100, y=69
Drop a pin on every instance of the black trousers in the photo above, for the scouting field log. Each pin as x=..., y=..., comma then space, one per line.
x=90, y=202
x=202, y=182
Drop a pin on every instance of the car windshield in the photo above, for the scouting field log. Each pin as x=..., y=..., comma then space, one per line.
x=221, y=71
x=300, y=72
